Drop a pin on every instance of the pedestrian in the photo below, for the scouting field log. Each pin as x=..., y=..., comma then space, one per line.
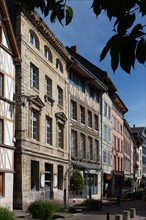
x=119, y=195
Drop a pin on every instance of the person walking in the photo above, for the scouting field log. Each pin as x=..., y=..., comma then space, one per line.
x=119, y=195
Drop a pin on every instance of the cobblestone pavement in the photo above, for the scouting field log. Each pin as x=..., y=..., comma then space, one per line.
x=108, y=207
x=113, y=209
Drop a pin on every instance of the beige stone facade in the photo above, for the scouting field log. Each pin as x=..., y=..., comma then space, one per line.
x=41, y=157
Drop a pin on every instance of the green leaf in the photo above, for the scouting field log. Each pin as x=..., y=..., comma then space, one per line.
x=53, y=16
x=69, y=15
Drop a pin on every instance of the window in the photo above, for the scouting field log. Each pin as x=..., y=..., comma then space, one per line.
x=82, y=146
x=96, y=122
x=49, y=130
x=35, y=124
x=82, y=114
x=59, y=65
x=1, y=84
x=90, y=149
x=89, y=119
x=48, y=86
x=105, y=132
x=60, y=135
x=109, y=112
x=1, y=184
x=1, y=131
x=74, y=144
x=109, y=134
x=47, y=53
x=109, y=158
x=60, y=177
x=96, y=150
x=73, y=110
x=104, y=156
x=60, y=96
x=91, y=91
x=33, y=39
x=35, y=175
x=105, y=109
x=34, y=76
x=77, y=81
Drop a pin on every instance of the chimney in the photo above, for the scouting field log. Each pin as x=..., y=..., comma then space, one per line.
x=133, y=126
x=73, y=48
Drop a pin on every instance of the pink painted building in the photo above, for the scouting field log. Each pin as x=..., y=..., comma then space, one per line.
x=118, y=111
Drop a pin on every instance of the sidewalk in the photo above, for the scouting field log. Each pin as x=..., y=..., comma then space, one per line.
x=109, y=206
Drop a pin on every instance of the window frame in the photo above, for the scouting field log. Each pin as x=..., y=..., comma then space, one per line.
x=59, y=65
x=1, y=84
x=35, y=175
x=33, y=39
x=60, y=96
x=96, y=122
x=89, y=119
x=34, y=120
x=74, y=146
x=82, y=146
x=47, y=53
x=90, y=148
x=82, y=115
x=34, y=76
x=48, y=130
x=1, y=131
x=48, y=86
x=73, y=110
x=60, y=135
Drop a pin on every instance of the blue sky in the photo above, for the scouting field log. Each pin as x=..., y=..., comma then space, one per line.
x=90, y=34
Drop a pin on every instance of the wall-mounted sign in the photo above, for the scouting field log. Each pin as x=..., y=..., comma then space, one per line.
x=42, y=180
x=55, y=181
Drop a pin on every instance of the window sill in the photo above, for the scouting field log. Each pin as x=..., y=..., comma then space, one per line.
x=35, y=89
x=49, y=99
x=60, y=106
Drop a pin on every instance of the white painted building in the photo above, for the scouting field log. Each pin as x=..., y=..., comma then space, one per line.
x=8, y=56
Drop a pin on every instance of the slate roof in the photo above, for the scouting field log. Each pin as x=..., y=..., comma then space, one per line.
x=96, y=71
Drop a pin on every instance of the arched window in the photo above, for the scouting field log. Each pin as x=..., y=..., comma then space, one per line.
x=33, y=39
x=47, y=53
x=59, y=65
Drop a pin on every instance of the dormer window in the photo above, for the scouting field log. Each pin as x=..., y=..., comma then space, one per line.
x=59, y=65
x=47, y=53
x=33, y=39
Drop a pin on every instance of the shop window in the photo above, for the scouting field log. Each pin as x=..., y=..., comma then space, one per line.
x=60, y=177
x=34, y=175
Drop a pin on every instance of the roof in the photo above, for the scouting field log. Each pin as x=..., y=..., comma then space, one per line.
x=97, y=72
x=9, y=29
x=119, y=103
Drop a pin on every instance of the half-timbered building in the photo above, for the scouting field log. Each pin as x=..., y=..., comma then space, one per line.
x=9, y=56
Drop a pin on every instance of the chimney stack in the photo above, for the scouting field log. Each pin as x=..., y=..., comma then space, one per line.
x=73, y=48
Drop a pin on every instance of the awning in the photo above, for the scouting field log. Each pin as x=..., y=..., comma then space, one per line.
x=85, y=166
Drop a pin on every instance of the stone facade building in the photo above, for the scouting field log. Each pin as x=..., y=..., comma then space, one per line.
x=9, y=56
x=42, y=154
